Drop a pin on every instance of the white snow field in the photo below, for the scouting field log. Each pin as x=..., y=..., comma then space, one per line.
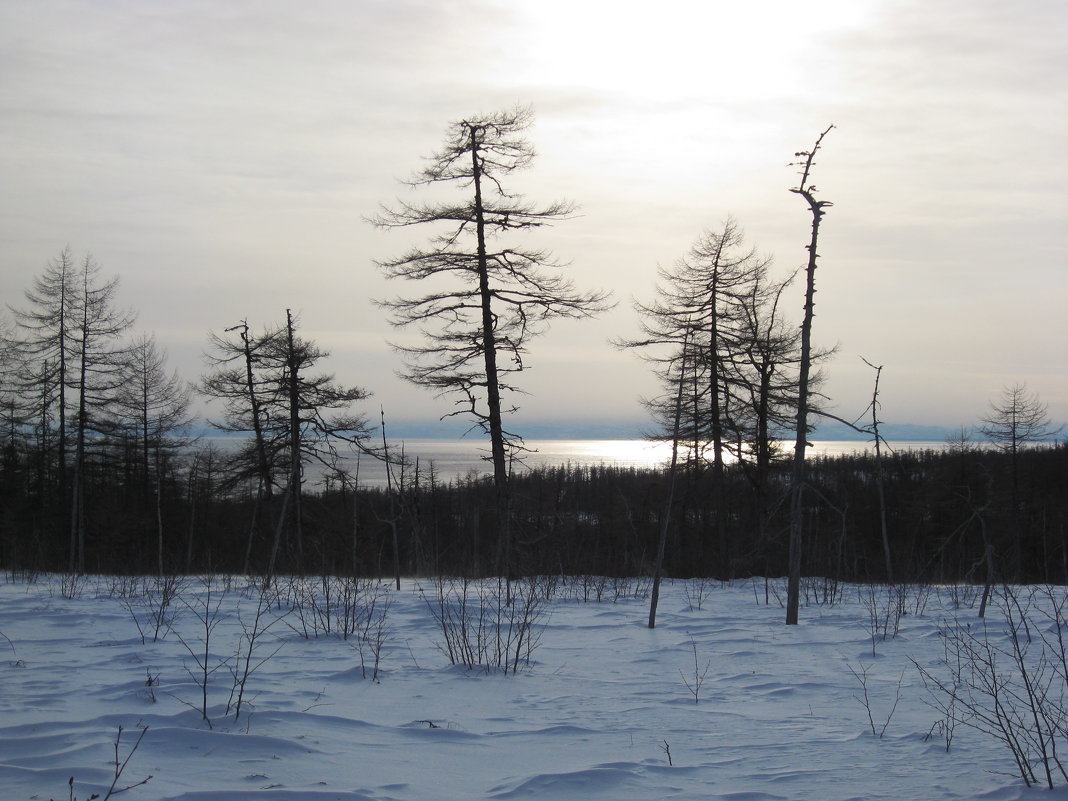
x=723, y=701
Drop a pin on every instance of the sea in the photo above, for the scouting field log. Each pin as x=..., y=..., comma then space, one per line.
x=451, y=459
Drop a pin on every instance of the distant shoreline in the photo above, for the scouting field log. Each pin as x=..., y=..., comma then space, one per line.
x=633, y=430
x=449, y=432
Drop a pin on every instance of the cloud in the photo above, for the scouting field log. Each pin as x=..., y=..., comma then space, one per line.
x=221, y=159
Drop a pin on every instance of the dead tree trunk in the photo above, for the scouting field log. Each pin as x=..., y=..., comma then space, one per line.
x=797, y=475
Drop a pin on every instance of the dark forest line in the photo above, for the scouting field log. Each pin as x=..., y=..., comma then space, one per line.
x=963, y=514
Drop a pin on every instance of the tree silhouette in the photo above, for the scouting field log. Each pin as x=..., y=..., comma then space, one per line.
x=295, y=416
x=797, y=478
x=154, y=411
x=1015, y=421
x=97, y=327
x=716, y=313
x=487, y=299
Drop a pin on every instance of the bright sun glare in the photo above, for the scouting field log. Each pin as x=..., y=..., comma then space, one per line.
x=682, y=51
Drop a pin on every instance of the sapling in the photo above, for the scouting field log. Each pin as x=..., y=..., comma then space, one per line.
x=246, y=659
x=208, y=616
x=865, y=700
x=699, y=673
x=666, y=748
x=119, y=769
x=885, y=609
x=151, y=682
x=166, y=589
x=370, y=618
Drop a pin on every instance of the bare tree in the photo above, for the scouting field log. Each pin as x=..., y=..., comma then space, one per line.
x=1015, y=421
x=797, y=478
x=96, y=330
x=295, y=417
x=717, y=312
x=489, y=299
x=766, y=389
x=697, y=306
x=45, y=347
x=665, y=520
x=155, y=409
x=700, y=301
x=232, y=379
x=880, y=473
x=315, y=410
x=15, y=412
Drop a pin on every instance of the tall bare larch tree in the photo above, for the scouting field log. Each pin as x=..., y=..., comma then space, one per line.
x=484, y=297
x=43, y=342
x=716, y=311
x=154, y=412
x=97, y=327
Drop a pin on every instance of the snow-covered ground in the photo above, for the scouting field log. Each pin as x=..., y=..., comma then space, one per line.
x=718, y=702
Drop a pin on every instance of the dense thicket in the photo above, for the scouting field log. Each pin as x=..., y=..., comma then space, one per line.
x=943, y=508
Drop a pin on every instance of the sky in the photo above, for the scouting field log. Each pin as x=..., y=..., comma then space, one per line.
x=222, y=159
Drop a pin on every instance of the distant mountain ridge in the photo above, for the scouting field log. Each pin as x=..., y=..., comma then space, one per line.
x=897, y=432
x=638, y=429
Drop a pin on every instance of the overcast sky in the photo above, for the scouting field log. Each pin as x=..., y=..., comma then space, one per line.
x=221, y=158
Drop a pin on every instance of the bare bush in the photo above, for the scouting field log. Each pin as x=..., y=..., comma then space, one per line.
x=697, y=591
x=350, y=608
x=813, y=591
x=1008, y=680
x=332, y=605
x=72, y=585
x=151, y=606
x=636, y=587
x=918, y=596
x=821, y=591
x=489, y=624
x=960, y=596
x=860, y=673
x=885, y=605
x=119, y=587
x=370, y=638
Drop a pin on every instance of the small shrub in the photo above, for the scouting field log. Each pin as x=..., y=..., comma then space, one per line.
x=494, y=624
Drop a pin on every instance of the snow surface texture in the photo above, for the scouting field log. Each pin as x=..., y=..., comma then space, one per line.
x=718, y=702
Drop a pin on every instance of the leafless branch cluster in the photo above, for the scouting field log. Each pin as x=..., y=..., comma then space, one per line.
x=494, y=624
x=1009, y=679
x=352, y=608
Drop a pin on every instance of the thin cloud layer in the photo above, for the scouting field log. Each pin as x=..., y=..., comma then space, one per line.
x=222, y=160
